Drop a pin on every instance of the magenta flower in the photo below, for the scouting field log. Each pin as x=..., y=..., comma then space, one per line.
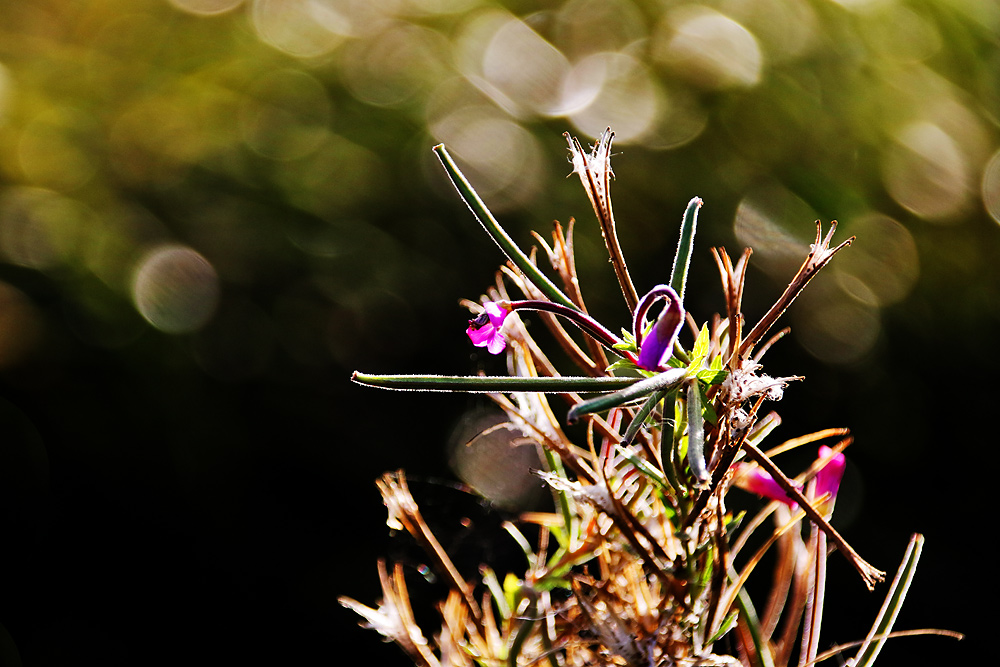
x=756, y=480
x=829, y=476
x=657, y=345
x=484, y=331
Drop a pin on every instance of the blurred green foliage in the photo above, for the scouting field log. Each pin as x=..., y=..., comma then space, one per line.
x=286, y=145
x=211, y=211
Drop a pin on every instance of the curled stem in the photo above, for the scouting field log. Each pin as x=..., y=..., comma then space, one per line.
x=579, y=318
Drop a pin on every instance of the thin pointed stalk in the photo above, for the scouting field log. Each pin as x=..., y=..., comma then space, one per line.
x=762, y=652
x=640, y=417
x=488, y=384
x=893, y=601
x=497, y=233
x=562, y=496
x=646, y=468
x=527, y=617
x=636, y=425
x=813, y=616
x=682, y=260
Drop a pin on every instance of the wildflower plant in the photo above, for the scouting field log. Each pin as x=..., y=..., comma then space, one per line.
x=642, y=562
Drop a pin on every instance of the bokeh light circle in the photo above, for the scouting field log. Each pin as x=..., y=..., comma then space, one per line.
x=927, y=172
x=298, y=27
x=708, y=48
x=396, y=66
x=286, y=115
x=776, y=224
x=991, y=187
x=493, y=456
x=206, y=7
x=883, y=259
x=524, y=68
x=50, y=150
x=616, y=90
x=584, y=27
x=835, y=328
x=40, y=228
x=175, y=289
x=504, y=158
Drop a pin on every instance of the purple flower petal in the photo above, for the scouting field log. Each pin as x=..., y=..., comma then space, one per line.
x=656, y=347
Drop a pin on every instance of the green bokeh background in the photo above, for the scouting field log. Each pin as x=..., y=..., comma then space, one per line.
x=212, y=211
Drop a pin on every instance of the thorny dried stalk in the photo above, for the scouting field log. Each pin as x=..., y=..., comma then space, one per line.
x=638, y=563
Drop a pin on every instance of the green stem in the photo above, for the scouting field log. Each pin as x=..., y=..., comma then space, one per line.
x=893, y=602
x=682, y=260
x=761, y=656
x=640, y=417
x=494, y=383
x=497, y=233
x=562, y=496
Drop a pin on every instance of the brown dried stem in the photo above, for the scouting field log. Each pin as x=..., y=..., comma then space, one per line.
x=819, y=256
x=595, y=174
x=403, y=510
x=563, y=261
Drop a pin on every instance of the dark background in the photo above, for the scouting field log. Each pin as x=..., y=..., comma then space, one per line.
x=186, y=471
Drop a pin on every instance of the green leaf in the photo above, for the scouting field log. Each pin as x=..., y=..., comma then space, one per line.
x=625, y=368
x=716, y=363
x=511, y=585
x=726, y=626
x=563, y=499
x=682, y=260
x=696, y=435
x=493, y=584
x=640, y=417
x=893, y=603
x=497, y=233
x=494, y=383
x=701, y=346
x=712, y=376
x=636, y=390
x=521, y=540
x=628, y=344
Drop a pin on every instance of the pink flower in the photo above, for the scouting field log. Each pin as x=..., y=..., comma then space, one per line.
x=829, y=476
x=756, y=480
x=484, y=331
